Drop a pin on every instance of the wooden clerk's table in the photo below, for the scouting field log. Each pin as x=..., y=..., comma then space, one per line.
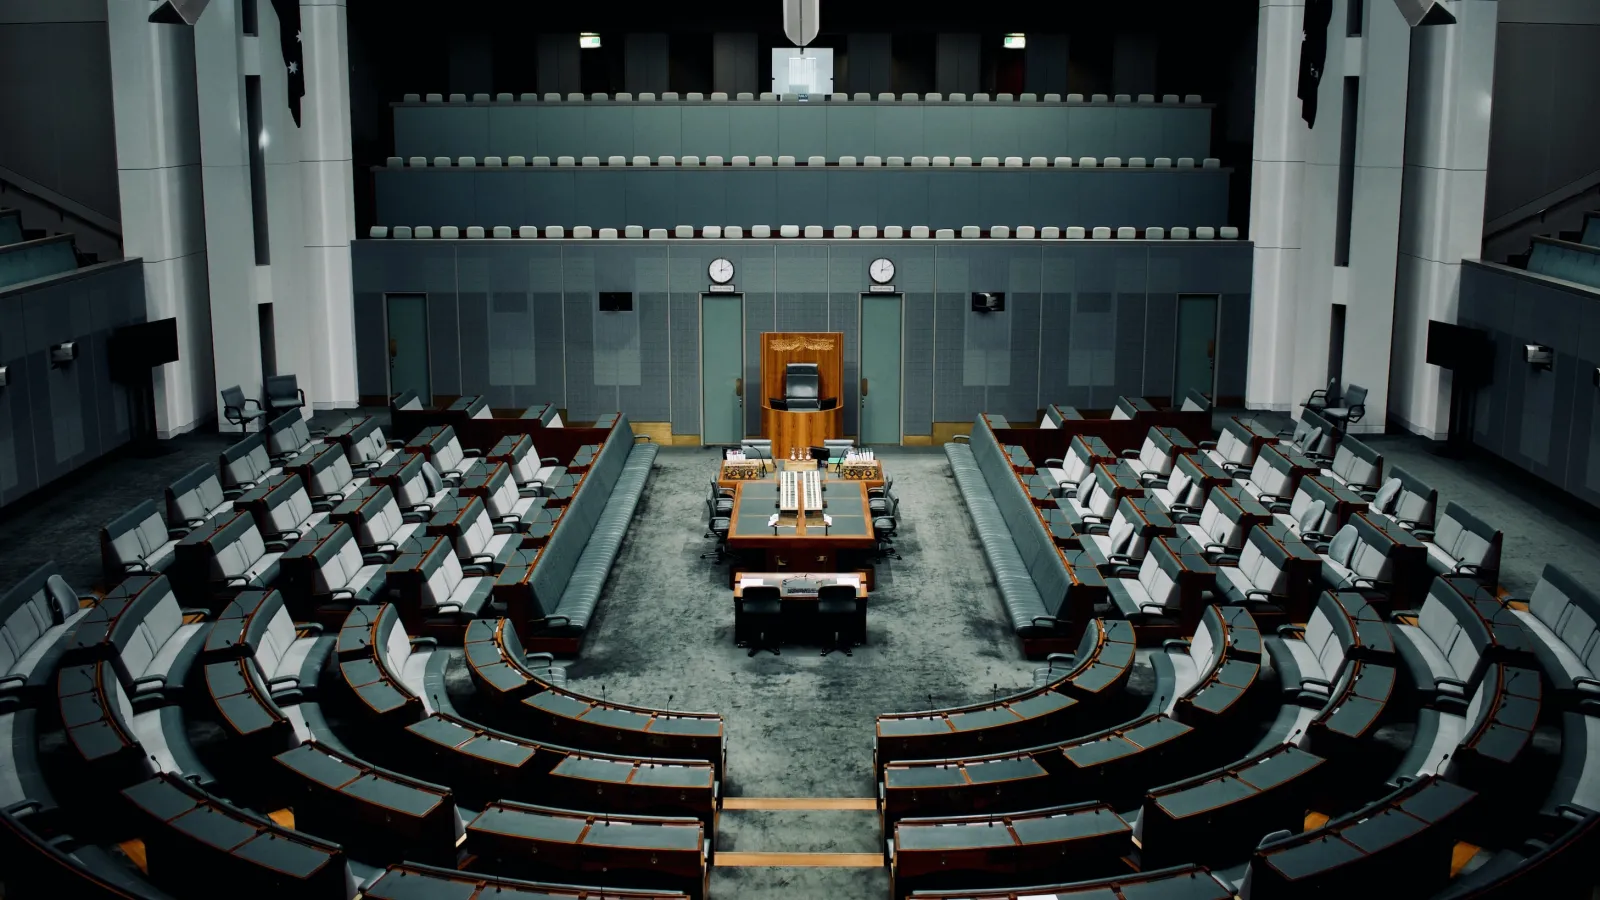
x=804, y=546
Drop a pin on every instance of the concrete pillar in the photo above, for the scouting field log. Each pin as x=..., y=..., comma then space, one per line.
x=329, y=203
x=163, y=216
x=1276, y=174
x=1442, y=206
x=219, y=73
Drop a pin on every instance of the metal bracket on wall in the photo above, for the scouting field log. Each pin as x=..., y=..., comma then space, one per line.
x=5, y=375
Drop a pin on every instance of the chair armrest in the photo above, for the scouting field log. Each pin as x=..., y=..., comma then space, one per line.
x=342, y=594
x=1054, y=462
x=1049, y=621
x=550, y=459
x=248, y=401
x=277, y=546
x=471, y=453
x=13, y=679
x=1444, y=681
x=149, y=679
x=961, y=439
x=235, y=581
x=174, y=534
x=475, y=569
x=283, y=679
x=1124, y=572
x=195, y=611
x=137, y=568
x=1423, y=534
x=553, y=621
x=1586, y=684
x=374, y=559
x=1364, y=581
x=1207, y=445
x=1129, y=454
x=424, y=642
x=1472, y=569
x=1068, y=658
x=310, y=628
x=1291, y=630
x=1264, y=595
x=1175, y=644
x=545, y=660
x=326, y=504
x=1225, y=559
x=1321, y=682
x=394, y=443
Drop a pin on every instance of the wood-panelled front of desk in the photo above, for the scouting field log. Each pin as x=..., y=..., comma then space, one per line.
x=799, y=430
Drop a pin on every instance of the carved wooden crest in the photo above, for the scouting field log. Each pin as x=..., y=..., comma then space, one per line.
x=786, y=344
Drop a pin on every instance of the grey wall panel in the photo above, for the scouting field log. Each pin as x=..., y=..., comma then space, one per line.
x=802, y=130
x=958, y=64
x=645, y=63
x=852, y=131
x=871, y=62
x=706, y=130
x=658, y=131
x=802, y=198
x=1547, y=112
x=827, y=129
x=558, y=67
x=1046, y=68
x=900, y=131
x=939, y=198
x=734, y=63
x=1086, y=321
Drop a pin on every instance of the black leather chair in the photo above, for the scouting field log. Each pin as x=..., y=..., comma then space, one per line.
x=723, y=497
x=885, y=526
x=878, y=498
x=802, y=386
x=236, y=408
x=717, y=526
x=841, y=617
x=1350, y=410
x=283, y=392
x=757, y=617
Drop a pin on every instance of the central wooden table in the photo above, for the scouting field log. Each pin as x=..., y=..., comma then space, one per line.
x=806, y=547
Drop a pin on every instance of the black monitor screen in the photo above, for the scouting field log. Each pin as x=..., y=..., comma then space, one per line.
x=616, y=301
x=1458, y=348
x=135, y=349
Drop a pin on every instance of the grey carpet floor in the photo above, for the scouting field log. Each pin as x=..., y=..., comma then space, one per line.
x=800, y=724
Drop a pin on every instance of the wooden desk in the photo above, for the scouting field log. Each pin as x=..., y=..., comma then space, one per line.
x=808, y=546
x=731, y=475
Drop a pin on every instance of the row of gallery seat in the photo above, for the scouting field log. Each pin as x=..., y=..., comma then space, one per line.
x=259, y=700
x=987, y=162
x=812, y=232
x=1343, y=700
x=769, y=97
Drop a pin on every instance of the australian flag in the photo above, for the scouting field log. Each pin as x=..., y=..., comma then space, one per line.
x=294, y=61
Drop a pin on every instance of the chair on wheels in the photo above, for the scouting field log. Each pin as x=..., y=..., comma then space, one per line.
x=842, y=616
x=717, y=526
x=885, y=527
x=1350, y=411
x=878, y=498
x=757, y=616
x=236, y=408
x=283, y=392
x=723, y=497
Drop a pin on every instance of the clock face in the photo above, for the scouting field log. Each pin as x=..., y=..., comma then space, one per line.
x=721, y=270
x=881, y=270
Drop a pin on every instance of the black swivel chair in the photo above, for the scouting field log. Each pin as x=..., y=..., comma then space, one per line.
x=878, y=498
x=283, y=392
x=723, y=497
x=885, y=527
x=758, y=615
x=236, y=408
x=842, y=616
x=716, y=526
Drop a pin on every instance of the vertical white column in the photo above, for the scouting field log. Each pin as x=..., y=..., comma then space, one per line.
x=329, y=201
x=1275, y=187
x=163, y=216
x=1441, y=217
x=1384, y=61
x=229, y=225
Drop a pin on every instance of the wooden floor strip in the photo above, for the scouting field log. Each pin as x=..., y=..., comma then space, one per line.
x=812, y=860
x=770, y=803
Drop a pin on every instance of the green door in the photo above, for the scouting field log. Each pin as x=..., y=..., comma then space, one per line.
x=1196, y=357
x=408, y=345
x=721, y=368
x=880, y=369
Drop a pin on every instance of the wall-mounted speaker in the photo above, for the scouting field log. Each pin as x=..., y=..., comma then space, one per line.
x=1539, y=356
x=178, y=12
x=988, y=302
x=1425, y=12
